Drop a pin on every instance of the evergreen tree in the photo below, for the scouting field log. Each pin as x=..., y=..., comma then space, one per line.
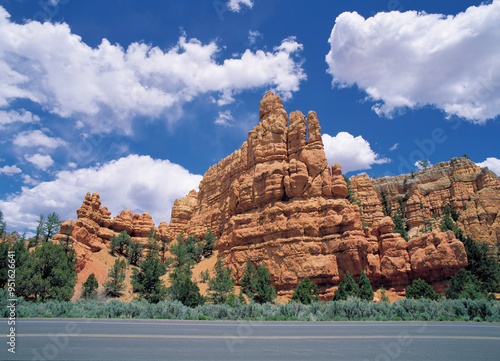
x=120, y=243
x=420, y=289
x=2, y=225
x=152, y=247
x=249, y=274
x=365, y=288
x=134, y=252
x=183, y=288
x=263, y=291
x=465, y=285
x=208, y=243
x=147, y=281
x=4, y=264
x=90, y=287
x=306, y=292
x=222, y=285
x=52, y=225
x=40, y=229
x=386, y=205
x=48, y=272
x=347, y=288
x=116, y=284
x=180, y=256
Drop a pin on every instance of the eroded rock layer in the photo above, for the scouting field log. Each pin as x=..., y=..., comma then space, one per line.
x=276, y=201
x=471, y=191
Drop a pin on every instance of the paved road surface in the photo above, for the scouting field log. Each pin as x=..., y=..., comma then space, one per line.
x=77, y=339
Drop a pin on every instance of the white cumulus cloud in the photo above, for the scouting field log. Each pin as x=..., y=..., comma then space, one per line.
x=139, y=183
x=13, y=116
x=40, y=161
x=224, y=118
x=235, y=5
x=107, y=86
x=414, y=59
x=37, y=138
x=353, y=153
x=492, y=163
x=10, y=170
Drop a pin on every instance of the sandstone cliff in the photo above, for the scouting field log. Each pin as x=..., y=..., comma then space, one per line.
x=473, y=192
x=276, y=201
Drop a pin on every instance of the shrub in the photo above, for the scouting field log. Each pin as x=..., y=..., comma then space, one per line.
x=420, y=289
x=306, y=292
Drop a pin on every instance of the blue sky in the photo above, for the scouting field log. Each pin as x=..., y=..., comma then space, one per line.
x=136, y=100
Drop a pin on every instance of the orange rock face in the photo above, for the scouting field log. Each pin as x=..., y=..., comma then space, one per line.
x=276, y=201
x=473, y=192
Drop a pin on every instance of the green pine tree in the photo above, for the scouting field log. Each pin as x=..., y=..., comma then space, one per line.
x=306, y=292
x=347, y=288
x=134, y=252
x=47, y=272
x=116, y=283
x=420, y=289
x=365, y=288
x=147, y=281
x=249, y=274
x=183, y=288
x=208, y=243
x=221, y=286
x=90, y=287
x=120, y=243
x=52, y=226
x=263, y=290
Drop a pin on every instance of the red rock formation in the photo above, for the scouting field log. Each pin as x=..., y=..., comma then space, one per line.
x=473, y=192
x=275, y=201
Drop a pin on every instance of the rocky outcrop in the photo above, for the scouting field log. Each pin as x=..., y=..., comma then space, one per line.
x=276, y=201
x=473, y=192
x=94, y=228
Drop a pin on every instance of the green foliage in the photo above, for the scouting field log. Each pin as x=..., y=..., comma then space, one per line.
x=424, y=163
x=347, y=288
x=400, y=226
x=482, y=264
x=147, y=281
x=205, y=276
x=208, y=243
x=152, y=246
x=465, y=285
x=134, y=250
x=48, y=272
x=90, y=287
x=116, y=284
x=186, y=252
x=249, y=274
x=386, y=205
x=365, y=288
x=263, y=291
x=350, y=193
x=383, y=296
x=221, y=286
x=183, y=289
x=40, y=230
x=4, y=264
x=447, y=210
x=120, y=243
x=52, y=225
x=420, y=289
x=306, y=292
x=3, y=225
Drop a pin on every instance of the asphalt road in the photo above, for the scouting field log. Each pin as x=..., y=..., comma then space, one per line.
x=77, y=339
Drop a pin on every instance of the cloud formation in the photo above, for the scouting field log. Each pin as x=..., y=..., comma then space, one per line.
x=235, y=5
x=107, y=86
x=139, y=183
x=415, y=59
x=37, y=138
x=40, y=161
x=353, y=153
x=10, y=170
x=22, y=116
x=492, y=163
